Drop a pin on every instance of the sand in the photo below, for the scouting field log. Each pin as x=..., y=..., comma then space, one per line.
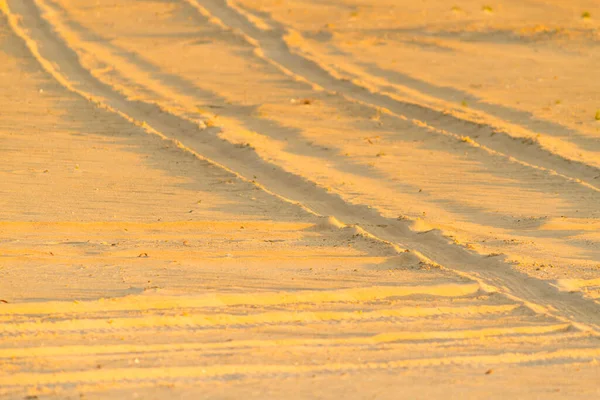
x=299, y=199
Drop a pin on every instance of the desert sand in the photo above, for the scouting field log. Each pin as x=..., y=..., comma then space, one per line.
x=299, y=199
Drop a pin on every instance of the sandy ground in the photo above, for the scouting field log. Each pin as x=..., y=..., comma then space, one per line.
x=299, y=199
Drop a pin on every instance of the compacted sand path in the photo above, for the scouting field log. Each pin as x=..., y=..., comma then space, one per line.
x=225, y=199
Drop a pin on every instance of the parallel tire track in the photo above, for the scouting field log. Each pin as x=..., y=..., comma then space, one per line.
x=272, y=47
x=58, y=60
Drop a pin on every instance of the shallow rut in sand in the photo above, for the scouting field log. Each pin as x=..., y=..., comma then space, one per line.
x=272, y=47
x=63, y=64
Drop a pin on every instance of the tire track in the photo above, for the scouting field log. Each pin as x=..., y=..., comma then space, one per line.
x=132, y=67
x=423, y=97
x=429, y=246
x=273, y=47
x=229, y=318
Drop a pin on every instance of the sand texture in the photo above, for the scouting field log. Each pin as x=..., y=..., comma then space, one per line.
x=255, y=199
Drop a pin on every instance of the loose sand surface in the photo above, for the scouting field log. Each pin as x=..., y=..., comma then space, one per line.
x=299, y=199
